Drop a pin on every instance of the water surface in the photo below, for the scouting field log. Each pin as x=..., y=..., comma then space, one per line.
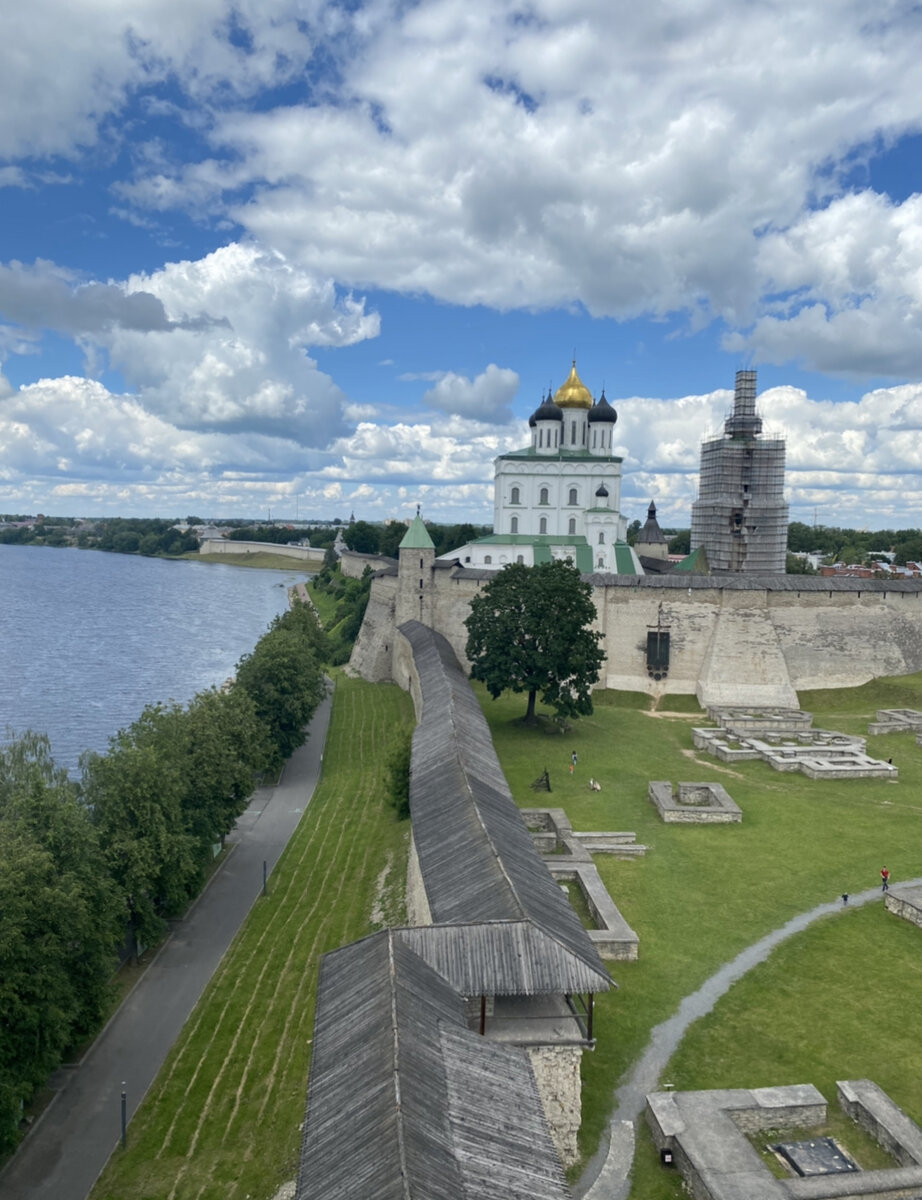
x=88, y=638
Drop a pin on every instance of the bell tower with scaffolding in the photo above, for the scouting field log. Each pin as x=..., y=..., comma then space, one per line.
x=740, y=516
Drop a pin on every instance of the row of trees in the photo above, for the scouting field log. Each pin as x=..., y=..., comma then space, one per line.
x=367, y=538
x=128, y=845
x=351, y=596
x=135, y=535
x=855, y=545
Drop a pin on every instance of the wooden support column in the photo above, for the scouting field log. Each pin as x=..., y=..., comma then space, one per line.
x=589, y=1017
x=483, y=1015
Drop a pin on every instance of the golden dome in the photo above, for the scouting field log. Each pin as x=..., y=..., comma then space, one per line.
x=573, y=393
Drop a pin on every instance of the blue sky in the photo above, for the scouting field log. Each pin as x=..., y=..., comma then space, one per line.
x=299, y=257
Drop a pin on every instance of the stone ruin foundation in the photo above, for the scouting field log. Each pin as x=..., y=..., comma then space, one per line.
x=905, y=902
x=568, y=856
x=693, y=803
x=787, y=741
x=703, y=1134
x=896, y=720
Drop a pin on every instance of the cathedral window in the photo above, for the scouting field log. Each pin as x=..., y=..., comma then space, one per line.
x=601, y=539
x=542, y=527
x=520, y=559
x=514, y=498
x=573, y=494
x=572, y=526
x=487, y=560
x=572, y=433
x=543, y=496
x=514, y=526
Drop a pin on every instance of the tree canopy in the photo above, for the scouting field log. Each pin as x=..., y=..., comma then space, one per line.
x=528, y=631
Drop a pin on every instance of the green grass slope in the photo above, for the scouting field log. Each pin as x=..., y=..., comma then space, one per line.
x=221, y=1121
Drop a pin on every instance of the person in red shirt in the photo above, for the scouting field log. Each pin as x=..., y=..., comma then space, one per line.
x=884, y=879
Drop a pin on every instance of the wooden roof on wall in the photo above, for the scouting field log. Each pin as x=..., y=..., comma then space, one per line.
x=476, y=857
x=404, y=1102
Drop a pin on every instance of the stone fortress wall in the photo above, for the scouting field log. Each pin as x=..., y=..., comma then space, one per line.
x=733, y=639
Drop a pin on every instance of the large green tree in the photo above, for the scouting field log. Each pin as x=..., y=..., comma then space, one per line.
x=528, y=631
x=284, y=678
x=60, y=922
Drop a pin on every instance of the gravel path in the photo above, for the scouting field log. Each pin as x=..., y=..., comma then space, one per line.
x=607, y=1174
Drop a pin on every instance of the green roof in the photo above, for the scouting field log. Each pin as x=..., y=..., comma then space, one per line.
x=417, y=537
x=624, y=560
x=695, y=563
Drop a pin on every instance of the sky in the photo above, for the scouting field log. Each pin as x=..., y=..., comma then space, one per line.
x=299, y=259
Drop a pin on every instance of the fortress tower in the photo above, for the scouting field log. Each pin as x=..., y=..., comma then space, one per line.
x=740, y=517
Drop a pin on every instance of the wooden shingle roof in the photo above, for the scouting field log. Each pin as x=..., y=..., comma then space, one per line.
x=404, y=1102
x=476, y=857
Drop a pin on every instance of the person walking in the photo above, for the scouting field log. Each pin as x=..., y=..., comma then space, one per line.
x=884, y=879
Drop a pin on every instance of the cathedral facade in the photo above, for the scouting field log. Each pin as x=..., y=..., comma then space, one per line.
x=560, y=496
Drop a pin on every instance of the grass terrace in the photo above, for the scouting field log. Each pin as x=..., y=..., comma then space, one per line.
x=221, y=1121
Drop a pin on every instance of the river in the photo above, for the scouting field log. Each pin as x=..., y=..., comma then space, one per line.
x=88, y=638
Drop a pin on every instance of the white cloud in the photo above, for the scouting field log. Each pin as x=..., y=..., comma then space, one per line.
x=65, y=69
x=70, y=446
x=234, y=358
x=486, y=397
x=853, y=272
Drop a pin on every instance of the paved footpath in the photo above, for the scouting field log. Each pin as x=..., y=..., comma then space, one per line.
x=71, y=1142
x=607, y=1175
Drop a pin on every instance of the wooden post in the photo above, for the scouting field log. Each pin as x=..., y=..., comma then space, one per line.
x=483, y=1015
x=589, y=1018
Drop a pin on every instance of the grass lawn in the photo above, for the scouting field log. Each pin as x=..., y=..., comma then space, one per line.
x=222, y=1118
x=703, y=893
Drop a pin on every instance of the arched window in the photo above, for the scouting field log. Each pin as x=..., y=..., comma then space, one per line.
x=487, y=560
x=572, y=433
x=543, y=496
x=573, y=499
x=520, y=559
x=542, y=527
x=601, y=562
x=594, y=434
x=572, y=526
x=601, y=539
x=514, y=527
x=514, y=498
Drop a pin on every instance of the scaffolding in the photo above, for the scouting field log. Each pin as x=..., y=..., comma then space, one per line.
x=740, y=517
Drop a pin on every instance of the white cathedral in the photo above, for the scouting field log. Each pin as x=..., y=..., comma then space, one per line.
x=559, y=497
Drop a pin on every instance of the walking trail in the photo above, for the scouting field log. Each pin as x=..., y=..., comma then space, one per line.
x=607, y=1174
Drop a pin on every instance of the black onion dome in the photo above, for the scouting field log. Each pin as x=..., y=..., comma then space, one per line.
x=546, y=412
x=601, y=490
x=603, y=411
